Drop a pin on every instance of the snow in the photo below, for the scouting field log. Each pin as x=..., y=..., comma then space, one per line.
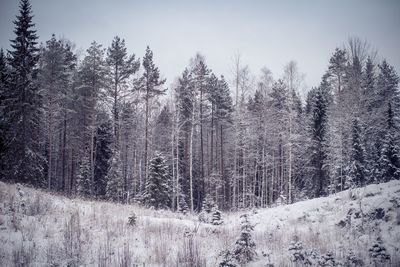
x=41, y=228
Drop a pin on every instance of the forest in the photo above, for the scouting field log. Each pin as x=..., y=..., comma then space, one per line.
x=105, y=125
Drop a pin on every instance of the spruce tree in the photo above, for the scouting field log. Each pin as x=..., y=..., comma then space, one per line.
x=317, y=109
x=83, y=177
x=3, y=78
x=387, y=87
x=370, y=110
x=104, y=145
x=357, y=172
x=245, y=248
x=183, y=206
x=158, y=187
x=23, y=104
x=390, y=157
x=115, y=183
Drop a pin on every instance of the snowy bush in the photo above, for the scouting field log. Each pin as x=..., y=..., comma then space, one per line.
x=244, y=250
x=296, y=252
x=327, y=260
x=132, y=220
x=352, y=260
x=183, y=206
x=216, y=216
x=227, y=259
x=377, y=253
x=210, y=212
x=305, y=257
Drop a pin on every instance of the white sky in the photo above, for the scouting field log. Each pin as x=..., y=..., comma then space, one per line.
x=266, y=33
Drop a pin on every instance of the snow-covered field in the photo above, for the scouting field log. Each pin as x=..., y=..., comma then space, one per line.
x=42, y=229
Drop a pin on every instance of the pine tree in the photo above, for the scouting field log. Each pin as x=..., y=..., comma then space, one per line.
x=92, y=80
x=23, y=104
x=115, y=183
x=186, y=103
x=158, y=188
x=151, y=86
x=200, y=76
x=122, y=67
x=390, y=157
x=357, y=173
x=55, y=67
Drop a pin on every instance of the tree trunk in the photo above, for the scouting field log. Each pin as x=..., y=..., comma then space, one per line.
x=146, y=138
x=191, y=163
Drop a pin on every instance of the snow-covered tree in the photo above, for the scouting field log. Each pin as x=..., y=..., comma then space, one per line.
x=122, y=67
x=318, y=102
x=390, y=153
x=357, y=172
x=92, y=80
x=245, y=248
x=104, y=145
x=23, y=104
x=115, y=185
x=158, y=185
x=151, y=86
x=83, y=177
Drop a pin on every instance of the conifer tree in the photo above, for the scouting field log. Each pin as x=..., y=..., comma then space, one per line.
x=183, y=206
x=317, y=105
x=104, y=146
x=115, y=183
x=92, y=80
x=83, y=177
x=3, y=78
x=390, y=157
x=245, y=248
x=151, y=87
x=387, y=87
x=23, y=103
x=122, y=67
x=357, y=172
x=55, y=67
x=158, y=188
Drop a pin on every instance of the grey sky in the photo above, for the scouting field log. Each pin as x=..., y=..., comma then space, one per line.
x=266, y=33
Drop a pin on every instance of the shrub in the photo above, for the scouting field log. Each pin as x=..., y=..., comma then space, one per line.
x=132, y=220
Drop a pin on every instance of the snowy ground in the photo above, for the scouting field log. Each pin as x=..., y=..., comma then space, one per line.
x=41, y=229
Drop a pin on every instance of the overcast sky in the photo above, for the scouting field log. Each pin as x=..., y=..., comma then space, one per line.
x=266, y=33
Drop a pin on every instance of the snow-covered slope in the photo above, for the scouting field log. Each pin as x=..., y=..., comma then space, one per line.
x=42, y=229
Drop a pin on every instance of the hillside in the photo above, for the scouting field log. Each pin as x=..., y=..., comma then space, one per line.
x=41, y=229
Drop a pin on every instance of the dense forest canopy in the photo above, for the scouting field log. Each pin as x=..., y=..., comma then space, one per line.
x=105, y=126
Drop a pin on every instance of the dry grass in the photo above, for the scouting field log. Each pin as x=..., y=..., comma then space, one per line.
x=56, y=231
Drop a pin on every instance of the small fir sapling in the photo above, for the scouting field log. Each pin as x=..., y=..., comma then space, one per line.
x=378, y=253
x=245, y=248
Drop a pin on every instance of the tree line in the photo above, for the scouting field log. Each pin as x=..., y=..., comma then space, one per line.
x=105, y=126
